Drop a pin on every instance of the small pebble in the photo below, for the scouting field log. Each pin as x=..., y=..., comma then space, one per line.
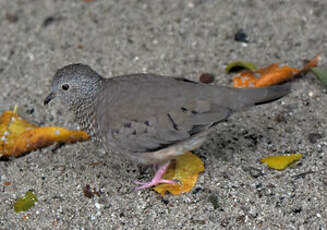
x=30, y=110
x=49, y=20
x=12, y=17
x=207, y=78
x=213, y=199
x=87, y=191
x=314, y=137
x=241, y=36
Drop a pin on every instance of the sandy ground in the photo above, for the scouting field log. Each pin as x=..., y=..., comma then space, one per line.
x=174, y=38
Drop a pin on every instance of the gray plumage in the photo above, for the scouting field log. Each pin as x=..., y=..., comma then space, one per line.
x=148, y=117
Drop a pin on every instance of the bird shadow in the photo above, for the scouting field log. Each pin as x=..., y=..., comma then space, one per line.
x=229, y=140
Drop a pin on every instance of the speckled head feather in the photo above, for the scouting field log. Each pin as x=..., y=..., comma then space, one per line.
x=76, y=84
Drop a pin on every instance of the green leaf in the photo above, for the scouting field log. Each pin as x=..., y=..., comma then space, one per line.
x=237, y=66
x=24, y=204
x=321, y=74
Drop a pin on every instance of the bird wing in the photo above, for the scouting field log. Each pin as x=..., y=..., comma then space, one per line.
x=143, y=113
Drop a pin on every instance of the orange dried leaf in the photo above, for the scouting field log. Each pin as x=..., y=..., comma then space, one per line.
x=275, y=76
x=270, y=75
x=280, y=162
x=245, y=80
x=6, y=183
x=268, y=68
x=18, y=136
x=312, y=63
x=185, y=170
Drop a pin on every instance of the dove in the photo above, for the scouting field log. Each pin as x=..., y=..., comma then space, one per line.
x=149, y=118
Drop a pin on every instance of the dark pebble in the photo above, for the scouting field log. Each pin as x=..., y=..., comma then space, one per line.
x=281, y=118
x=213, y=199
x=166, y=202
x=254, y=172
x=197, y=190
x=314, y=137
x=30, y=110
x=13, y=18
x=241, y=36
x=49, y=20
x=297, y=210
x=87, y=191
x=207, y=78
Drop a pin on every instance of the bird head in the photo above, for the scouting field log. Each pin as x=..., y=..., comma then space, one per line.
x=75, y=84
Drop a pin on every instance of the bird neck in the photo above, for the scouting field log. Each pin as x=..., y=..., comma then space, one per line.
x=85, y=110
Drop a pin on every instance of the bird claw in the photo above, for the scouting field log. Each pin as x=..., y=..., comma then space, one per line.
x=156, y=179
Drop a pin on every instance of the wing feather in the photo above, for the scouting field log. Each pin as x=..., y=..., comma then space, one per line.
x=149, y=112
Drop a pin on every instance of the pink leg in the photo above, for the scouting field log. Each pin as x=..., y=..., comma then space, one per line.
x=157, y=178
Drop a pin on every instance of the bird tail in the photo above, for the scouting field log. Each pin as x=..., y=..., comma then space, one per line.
x=256, y=96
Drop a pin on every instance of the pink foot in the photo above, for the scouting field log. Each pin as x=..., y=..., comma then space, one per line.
x=156, y=179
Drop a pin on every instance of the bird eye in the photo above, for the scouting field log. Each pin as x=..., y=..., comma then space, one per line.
x=65, y=86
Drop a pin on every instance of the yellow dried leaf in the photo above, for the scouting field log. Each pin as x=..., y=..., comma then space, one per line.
x=185, y=169
x=280, y=162
x=18, y=136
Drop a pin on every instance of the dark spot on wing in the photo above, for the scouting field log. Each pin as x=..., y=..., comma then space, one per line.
x=194, y=112
x=172, y=121
x=184, y=109
x=128, y=125
x=147, y=123
x=116, y=131
x=197, y=128
x=134, y=132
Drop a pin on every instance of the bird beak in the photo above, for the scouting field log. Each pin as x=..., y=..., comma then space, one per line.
x=49, y=98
